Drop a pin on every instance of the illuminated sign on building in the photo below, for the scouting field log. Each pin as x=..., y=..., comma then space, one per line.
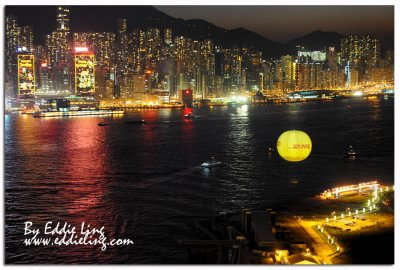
x=84, y=74
x=81, y=49
x=26, y=75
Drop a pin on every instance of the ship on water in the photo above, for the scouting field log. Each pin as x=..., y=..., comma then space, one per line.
x=76, y=113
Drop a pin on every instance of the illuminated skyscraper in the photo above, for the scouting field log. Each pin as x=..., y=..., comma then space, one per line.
x=360, y=50
x=11, y=44
x=26, y=38
x=168, y=36
x=122, y=48
x=122, y=26
x=287, y=72
x=63, y=19
x=57, y=43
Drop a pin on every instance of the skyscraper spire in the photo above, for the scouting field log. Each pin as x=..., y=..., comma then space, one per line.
x=62, y=19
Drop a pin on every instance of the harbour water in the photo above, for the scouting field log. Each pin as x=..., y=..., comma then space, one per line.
x=141, y=181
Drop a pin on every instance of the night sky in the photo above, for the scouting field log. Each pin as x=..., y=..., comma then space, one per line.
x=284, y=23
x=277, y=23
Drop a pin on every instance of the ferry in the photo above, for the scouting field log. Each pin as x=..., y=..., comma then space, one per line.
x=32, y=112
x=76, y=113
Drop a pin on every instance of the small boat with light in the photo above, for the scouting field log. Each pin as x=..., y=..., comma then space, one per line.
x=211, y=163
x=351, y=153
x=189, y=116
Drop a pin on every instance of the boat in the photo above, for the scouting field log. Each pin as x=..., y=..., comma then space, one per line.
x=76, y=113
x=270, y=150
x=31, y=112
x=189, y=116
x=211, y=163
x=102, y=124
x=351, y=153
x=294, y=181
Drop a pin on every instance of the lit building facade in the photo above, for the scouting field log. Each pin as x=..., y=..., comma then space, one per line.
x=26, y=75
x=84, y=72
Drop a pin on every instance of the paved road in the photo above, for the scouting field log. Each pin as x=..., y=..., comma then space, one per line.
x=303, y=231
x=321, y=248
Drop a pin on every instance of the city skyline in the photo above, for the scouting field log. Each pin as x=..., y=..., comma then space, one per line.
x=158, y=56
x=266, y=21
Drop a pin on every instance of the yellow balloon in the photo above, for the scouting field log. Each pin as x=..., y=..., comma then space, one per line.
x=294, y=145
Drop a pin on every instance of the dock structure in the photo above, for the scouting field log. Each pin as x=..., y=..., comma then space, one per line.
x=262, y=229
x=358, y=188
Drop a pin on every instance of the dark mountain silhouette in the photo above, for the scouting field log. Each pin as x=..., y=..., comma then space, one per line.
x=316, y=40
x=144, y=17
x=246, y=38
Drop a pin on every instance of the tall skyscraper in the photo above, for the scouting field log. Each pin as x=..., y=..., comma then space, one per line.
x=168, y=36
x=122, y=48
x=287, y=72
x=11, y=44
x=63, y=19
x=58, y=42
x=359, y=50
x=26, y=38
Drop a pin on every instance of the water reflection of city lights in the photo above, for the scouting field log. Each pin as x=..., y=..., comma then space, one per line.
x=205, y=172
x=243, y=109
